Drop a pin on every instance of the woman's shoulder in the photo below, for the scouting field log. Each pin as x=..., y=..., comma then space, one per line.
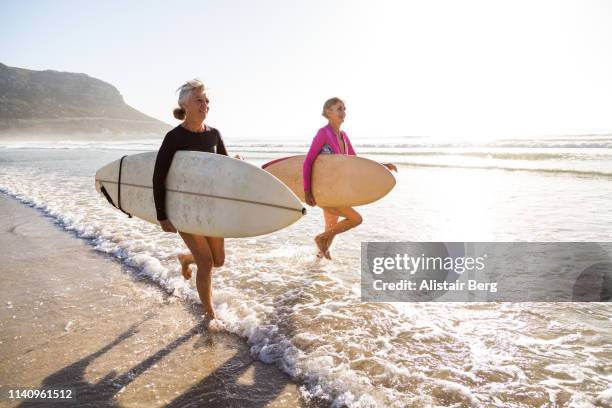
x=174, y=132
x=214, y=132
x=325, y=128
x=323, y=132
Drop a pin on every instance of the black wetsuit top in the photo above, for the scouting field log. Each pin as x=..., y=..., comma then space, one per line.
x=180, y=138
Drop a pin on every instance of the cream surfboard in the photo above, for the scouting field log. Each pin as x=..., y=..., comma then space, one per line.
x=337, y=180
x=207, y=194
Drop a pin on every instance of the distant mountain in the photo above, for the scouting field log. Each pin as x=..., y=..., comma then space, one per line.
x=51, y=102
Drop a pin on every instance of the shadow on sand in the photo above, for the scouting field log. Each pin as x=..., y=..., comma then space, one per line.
x=219, y=389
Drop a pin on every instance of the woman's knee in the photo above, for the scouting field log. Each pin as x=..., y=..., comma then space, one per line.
x=356, y=220
x=217, y=249
x=203, y=262
x=331, y=223
x=219, y=260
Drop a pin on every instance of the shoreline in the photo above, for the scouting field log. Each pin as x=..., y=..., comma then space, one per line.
x=72, y=317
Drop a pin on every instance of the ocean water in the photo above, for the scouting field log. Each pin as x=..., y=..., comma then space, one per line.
x=305, y=315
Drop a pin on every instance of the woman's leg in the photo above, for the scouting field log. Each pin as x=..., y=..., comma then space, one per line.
x=186, y=259
x=331, y=219
x=351, y=219
x=202, y=254
x=217, y=247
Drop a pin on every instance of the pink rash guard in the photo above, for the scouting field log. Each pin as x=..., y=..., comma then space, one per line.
x=325, y=136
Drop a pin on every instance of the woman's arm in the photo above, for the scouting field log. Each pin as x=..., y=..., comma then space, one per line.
x=162, y=165
x=313, y=152
x=220, y=145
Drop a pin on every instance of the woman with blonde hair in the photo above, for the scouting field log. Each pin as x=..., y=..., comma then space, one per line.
x=192, y=134
x=331, y=140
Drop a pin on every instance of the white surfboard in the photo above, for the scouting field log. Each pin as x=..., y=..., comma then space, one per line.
x=206, y=194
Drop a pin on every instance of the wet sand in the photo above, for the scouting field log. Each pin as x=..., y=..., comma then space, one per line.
x=71, y=317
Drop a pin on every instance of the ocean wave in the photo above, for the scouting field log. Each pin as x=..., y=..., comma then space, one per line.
x=136, y=145
x=302, y=145
x=523, y=154
x=498, y=144
x=576, y=172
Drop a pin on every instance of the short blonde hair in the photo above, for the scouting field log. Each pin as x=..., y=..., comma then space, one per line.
x=328, y=104
x=185, y=91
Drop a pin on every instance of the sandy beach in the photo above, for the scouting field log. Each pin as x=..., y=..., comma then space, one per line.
x=69, y=319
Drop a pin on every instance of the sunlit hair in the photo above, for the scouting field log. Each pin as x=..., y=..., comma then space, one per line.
x=185, y=91
x=328, y=104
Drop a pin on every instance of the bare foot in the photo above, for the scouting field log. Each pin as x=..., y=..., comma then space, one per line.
x=216, y=326
x=321, y=244
x=209, y=312
x=185, y=266
x=328, y=255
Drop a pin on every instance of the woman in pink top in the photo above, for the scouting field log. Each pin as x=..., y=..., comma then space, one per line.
x=331, y=140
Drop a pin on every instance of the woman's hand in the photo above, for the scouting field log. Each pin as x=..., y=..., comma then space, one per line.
x=239, y=157
x=390, y=166
x=167, y=226
x=310, y=200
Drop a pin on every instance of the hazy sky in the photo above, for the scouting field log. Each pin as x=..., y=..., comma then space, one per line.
x=440, y=68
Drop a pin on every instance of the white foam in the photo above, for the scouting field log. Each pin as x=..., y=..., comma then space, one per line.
x=604, y=398
x=455, y=392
